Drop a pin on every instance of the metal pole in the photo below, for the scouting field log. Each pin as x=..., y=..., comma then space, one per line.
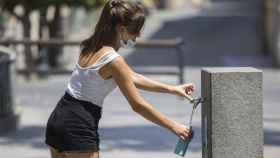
x=181, y=61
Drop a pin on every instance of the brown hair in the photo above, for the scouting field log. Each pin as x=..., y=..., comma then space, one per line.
x=124, y=12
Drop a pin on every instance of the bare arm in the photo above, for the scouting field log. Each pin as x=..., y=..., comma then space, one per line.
x=142, y=82
x=123, y=77
x=145, y=83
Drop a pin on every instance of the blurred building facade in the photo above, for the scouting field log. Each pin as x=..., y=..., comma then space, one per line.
x=169, y=4
x=270, y=10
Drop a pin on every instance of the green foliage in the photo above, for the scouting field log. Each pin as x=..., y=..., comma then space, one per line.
x=1, y=19
x=89, y=4
x=30, y=5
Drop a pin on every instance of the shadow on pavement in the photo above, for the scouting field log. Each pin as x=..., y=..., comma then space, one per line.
x=209, y=41
x=144, y=138
x=272, y=137
x=27, y=135
x=139, y=138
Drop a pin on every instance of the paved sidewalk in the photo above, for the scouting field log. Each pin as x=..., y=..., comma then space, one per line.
x=124, y=133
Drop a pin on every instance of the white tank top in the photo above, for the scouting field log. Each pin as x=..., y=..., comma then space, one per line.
x=87, y=84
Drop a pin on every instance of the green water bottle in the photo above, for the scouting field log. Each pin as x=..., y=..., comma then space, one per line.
x=182, y=145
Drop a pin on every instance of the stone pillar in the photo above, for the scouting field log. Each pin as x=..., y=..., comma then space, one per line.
x=232, y=119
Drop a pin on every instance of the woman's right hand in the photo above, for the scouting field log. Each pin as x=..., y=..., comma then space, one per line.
x=181, y=131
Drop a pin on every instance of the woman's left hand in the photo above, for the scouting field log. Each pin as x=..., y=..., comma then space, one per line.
x=184, y=89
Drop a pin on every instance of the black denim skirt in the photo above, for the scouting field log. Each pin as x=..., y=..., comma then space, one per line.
x=73, y=125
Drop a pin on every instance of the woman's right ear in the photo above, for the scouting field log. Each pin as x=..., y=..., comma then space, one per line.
x=120, y=28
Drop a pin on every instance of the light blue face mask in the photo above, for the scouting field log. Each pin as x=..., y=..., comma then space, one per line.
x=128, y=44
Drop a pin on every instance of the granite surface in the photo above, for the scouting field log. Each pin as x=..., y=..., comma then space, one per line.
x=232, y=125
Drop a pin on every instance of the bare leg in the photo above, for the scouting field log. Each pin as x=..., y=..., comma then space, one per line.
x=56, y=154
x=89, y=154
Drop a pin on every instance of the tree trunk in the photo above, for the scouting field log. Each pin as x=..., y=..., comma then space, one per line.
x=55, y=31
x=42, y=34
x=28, y=53
x=2, y=28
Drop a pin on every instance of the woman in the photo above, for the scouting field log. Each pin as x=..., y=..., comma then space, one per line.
x=72, y=129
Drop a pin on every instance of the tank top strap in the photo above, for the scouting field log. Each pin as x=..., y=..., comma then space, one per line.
x=105, y=59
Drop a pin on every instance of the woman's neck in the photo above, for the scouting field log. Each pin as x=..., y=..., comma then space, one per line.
x=115, y=45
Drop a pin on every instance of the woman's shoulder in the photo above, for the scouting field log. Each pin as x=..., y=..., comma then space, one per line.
x=107, y=49
x=118, y=64
x=108, y=55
